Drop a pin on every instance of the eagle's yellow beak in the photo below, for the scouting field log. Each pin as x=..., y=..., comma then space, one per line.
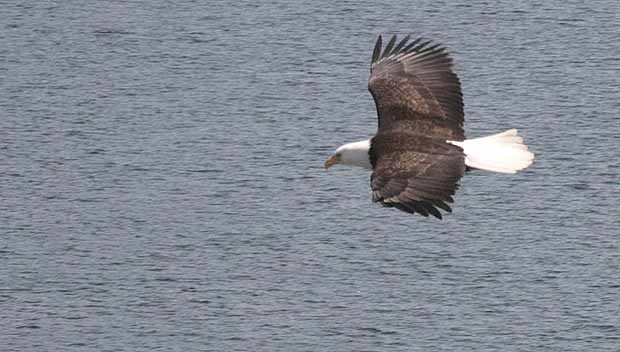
x=333, y=160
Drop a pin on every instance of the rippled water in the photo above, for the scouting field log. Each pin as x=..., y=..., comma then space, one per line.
x=161, y=183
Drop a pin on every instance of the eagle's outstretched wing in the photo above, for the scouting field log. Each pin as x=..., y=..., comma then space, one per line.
x=415, y=89
x=415, y=175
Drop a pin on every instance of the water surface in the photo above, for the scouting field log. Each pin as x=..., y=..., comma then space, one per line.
x=162, y=188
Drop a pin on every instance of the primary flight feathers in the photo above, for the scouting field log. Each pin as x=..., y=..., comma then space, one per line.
x=417, y=78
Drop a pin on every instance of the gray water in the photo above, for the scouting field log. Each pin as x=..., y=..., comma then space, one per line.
x=161, y=181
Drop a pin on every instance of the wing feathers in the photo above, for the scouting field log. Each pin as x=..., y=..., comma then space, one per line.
x=388, y=49
x=401, y=44
x=413, y=81
x=377, y=51
x=410, y=46
x=415, y=174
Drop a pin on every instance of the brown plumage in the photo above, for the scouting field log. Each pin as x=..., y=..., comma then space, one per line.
x=419, y=152
x=420, y=106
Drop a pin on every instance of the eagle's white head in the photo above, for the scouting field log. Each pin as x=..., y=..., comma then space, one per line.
x=355, y=154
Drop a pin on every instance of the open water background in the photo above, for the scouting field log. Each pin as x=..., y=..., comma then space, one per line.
x=161, y=184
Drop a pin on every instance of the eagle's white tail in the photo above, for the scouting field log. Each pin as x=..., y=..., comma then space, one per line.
x=503, y=152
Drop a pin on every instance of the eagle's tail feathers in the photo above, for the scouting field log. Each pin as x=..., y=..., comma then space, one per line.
x=503, y=152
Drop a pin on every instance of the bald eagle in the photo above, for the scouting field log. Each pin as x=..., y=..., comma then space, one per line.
x=419, y=152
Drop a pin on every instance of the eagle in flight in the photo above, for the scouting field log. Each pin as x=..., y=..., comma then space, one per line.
x=419, y=152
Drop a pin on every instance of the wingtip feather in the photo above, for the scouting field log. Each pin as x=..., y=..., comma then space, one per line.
x=388, y=47
x=377, y=51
